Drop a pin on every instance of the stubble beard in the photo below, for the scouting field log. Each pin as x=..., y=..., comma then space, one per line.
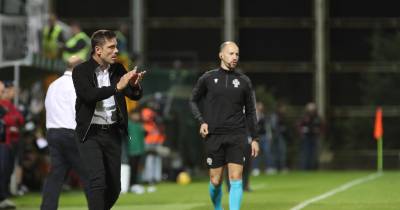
x=232, y=65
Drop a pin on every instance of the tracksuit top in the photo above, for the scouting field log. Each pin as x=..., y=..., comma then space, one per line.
x=226, y=102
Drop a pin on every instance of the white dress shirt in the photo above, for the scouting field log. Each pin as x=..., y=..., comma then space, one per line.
x=60, y=103
x=105, y=108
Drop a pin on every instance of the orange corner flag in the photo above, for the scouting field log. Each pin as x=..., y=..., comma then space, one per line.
x=378, y=131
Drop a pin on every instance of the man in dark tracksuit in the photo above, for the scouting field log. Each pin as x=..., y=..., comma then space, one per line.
x=101, y=116
x=228, y=107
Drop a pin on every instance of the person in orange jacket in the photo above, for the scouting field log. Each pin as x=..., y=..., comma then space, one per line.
x=154, y=139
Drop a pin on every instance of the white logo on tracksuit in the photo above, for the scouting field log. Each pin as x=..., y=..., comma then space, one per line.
x=236, y=83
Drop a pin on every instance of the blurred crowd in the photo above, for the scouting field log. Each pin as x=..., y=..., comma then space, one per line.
x=22, y=146
x=59, y=41
x=275, y=135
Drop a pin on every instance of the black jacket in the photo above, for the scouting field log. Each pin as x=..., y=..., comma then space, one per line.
x=228, y=102
x=88, y=93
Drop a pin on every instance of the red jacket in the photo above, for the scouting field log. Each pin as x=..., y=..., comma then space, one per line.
x=13, y=120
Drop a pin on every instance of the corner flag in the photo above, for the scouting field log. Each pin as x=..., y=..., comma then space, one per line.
x=378, y=131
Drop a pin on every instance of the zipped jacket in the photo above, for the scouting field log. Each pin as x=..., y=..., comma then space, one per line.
x=225, y=101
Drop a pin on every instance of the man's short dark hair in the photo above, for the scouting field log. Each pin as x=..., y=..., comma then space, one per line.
x=99, y=37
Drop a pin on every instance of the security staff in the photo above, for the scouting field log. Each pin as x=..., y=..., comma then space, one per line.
x=78, y=44
x=52, y=38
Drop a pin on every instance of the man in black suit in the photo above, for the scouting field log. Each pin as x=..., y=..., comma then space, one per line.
x=101, y=85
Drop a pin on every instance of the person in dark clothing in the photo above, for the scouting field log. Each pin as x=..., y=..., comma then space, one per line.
x=228, y=112
x=310, y=128
x=101, y=85
x=265, y=134
x=280, y=137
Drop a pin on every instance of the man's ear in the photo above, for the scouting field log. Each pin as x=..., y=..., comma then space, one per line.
x=97, y=50
x=220, y=55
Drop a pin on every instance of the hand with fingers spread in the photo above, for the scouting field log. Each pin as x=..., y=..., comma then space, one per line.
x=123, y=81
x=204, y=130
x=137, y=77
x=128, y=77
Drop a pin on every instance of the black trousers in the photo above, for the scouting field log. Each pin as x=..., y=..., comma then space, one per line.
x=101, y=155
x=64, y=156
x=5, y=160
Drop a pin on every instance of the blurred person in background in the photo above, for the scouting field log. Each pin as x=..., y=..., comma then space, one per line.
x=14, y=121
x=227, y=114
x=101, y=85
x=136, y=149
x=60, y=124
x=34, y=162
x=123, y=54
x=5, y=159
x=264, y=131
x=78, y=44
x=154, y=138
x=52, y=38
x=310, y=127
x=280, y=137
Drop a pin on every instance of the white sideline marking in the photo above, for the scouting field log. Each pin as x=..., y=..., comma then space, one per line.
x=337, y=190
x=258, y=186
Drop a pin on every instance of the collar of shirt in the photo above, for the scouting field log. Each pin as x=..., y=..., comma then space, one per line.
x=102, y=76
x=102, y=71
x=68, y=73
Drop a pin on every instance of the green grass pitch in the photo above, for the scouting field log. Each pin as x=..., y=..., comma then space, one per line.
x=276, y=192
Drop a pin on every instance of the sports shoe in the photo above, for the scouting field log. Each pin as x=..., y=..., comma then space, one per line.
x=271, y=171
x=137, y=189
x=151, y=189
x=7, y=204
x=255, y=172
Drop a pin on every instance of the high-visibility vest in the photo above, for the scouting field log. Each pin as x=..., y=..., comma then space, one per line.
x=83, y=53
x=50, y=42
x=123, y=55
x=122, y=42
x=154, y=134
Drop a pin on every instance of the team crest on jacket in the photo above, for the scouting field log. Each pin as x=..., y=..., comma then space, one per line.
x=236, y=83
x=215, y=80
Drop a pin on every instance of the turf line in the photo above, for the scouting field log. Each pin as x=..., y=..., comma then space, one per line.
x=258, y=186
x=337, y=190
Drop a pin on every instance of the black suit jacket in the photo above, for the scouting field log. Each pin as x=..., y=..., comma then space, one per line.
x=88, y=94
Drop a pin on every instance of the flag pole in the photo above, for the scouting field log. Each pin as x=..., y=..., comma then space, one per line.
x=378, y=135
x=380, y=155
